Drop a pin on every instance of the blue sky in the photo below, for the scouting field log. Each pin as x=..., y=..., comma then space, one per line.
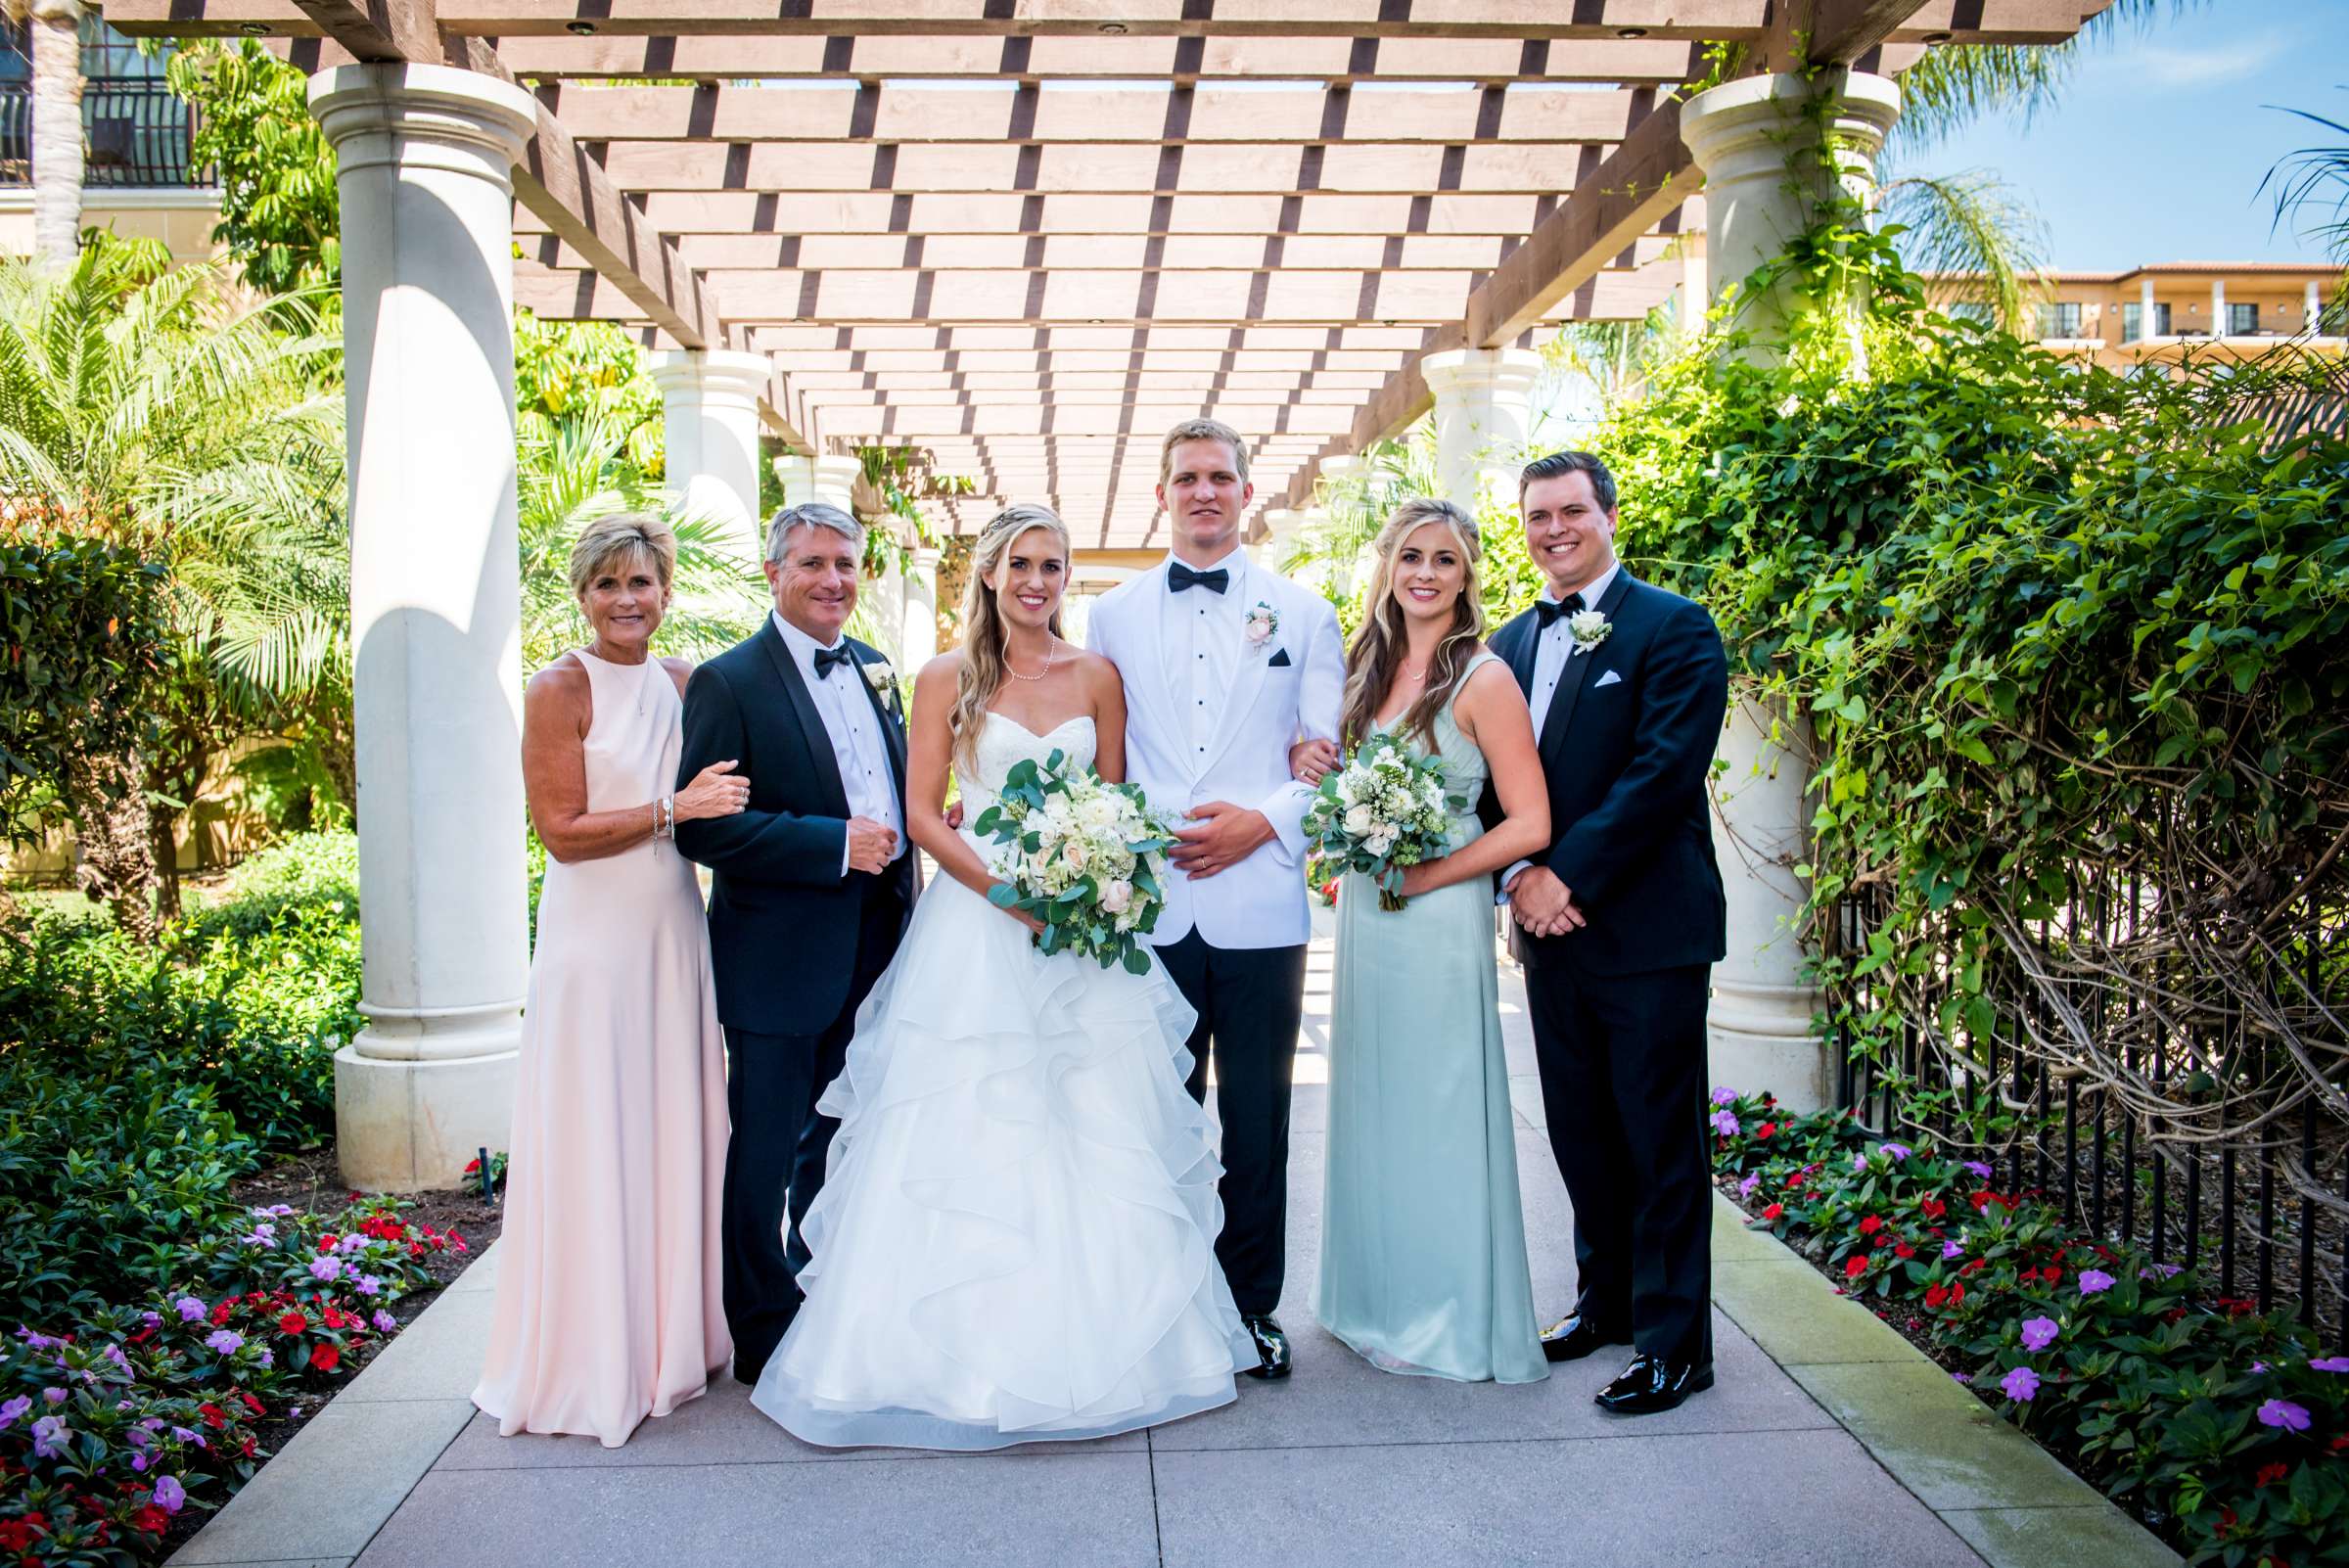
x=2161, y=138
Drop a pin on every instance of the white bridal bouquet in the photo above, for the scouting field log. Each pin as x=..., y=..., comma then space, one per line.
x=1084, y=856
x=1383, y=811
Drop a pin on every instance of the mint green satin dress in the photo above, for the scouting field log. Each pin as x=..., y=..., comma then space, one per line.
x=1423, y=1261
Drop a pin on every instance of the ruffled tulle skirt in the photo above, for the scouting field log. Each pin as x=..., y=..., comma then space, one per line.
x=1015, y=1241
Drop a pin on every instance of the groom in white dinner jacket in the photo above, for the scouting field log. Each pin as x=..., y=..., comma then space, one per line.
x=1226, y=666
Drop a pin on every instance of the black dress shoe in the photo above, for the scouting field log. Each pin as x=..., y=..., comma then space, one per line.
x=1570, y=1339
x=1653, y=1383
x=1272, y=1346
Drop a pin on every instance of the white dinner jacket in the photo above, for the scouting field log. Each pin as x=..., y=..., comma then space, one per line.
x=1260, y=901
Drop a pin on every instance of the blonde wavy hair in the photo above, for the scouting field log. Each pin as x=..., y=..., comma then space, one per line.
x=1376, y=654
x=981, y=675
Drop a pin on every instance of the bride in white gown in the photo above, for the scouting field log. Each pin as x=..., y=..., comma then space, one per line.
x=1015, y=1241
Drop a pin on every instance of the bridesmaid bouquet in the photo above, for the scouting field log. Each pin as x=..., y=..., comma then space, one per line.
x=1086, y=856
x=1383, y=811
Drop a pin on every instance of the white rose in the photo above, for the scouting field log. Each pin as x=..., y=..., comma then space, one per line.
x=1381, y=842
x=1072, y=855
x=1357, y=820
x=1117, y=897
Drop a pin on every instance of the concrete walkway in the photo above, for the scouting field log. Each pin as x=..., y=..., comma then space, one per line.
x=1342, y=1464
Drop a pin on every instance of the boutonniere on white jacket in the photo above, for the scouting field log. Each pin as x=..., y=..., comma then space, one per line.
x=1262, y=622
x=1586, y=629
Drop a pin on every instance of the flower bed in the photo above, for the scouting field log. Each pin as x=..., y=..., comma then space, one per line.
x=159, y=1326
x=2224, y=1430
x=117, y=1418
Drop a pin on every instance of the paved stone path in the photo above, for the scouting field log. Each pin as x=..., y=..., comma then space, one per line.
x=1831, y=1441
x=1342, y=1464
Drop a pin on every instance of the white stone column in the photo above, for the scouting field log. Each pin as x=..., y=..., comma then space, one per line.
x=2149, y=325
x=921, y=610
x=819, y=479
x=710, y=419
x=2217, y=308
x=1484, y=414
x=2311, y=309
x=424, y=159
x=1280, y=534
x=1756, y=141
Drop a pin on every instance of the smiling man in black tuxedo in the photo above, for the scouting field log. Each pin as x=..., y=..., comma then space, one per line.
x=1618, y=926
x=811, y=895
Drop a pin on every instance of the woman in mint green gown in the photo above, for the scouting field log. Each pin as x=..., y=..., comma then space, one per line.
x=1423, y=1261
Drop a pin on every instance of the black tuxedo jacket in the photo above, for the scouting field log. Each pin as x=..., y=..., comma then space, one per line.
x=783, y=918
x=1626, y=760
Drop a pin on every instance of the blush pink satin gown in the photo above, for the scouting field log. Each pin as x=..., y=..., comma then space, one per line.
x=607, y=1307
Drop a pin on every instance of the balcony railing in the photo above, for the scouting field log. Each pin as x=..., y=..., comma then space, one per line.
x=135, y=132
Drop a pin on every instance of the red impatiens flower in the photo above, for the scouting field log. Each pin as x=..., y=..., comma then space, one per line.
x=1980, y=1200
x=1935, y=1295
x=325, y=1356
x=2052, y=1274
x=1766, y=1129
x=1793, y=1181
x=292, y=1323
x=1902, y=1249
x=150, y=1520
x=1855, y=1267
x=1870, y=1226
x=1933, y=1208
x=333, y=1318
x=1773, y=1210
x=1880, y=1238
x=214, y=1416
x=2269, y=1474
x=327, y=1242
x=253, y=1405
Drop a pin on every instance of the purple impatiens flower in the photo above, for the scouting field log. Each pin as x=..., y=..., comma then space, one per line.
x=50, y=1437
x=1724, y=1096
x=190, y=1308
x=384, y=1322
x=2039, y=1333
x=2020, y=1384
x=224, y=1341
x=1979, y=1169
x=169, y=1494
x=1951, y=1250
x=326, y=1270
x=1753, y=1180
x=2286, y=1414
x=2329, y=1363
x=1897, y=1151
x=1725, y=1122
x=2094, y=1281
x=14, y=1410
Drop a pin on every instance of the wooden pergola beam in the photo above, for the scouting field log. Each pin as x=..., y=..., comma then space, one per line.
x=1513, y=22
x=1648, y=175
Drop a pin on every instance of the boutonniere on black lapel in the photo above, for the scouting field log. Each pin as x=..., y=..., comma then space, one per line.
x=884, y=680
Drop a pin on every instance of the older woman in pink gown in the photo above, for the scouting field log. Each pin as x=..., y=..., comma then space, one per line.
x=607, y=1306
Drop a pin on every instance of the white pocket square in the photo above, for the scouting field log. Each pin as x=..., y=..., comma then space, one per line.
x=1606, y=678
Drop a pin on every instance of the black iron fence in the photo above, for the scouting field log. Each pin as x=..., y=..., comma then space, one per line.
x=2178, y=1089
x=136, y=132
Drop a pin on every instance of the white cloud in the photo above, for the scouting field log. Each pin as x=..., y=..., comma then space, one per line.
x=2166, y=65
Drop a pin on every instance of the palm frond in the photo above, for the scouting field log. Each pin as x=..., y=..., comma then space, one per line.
x=1955, y=85
x=1971, y=222
x=2313, y=179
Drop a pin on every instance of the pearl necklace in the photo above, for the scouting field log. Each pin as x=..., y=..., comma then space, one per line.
x=1014, y=673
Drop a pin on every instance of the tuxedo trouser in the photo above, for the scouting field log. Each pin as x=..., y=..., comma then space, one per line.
x=1250, y=1002
x=776, y=1152
x=1623, y=1090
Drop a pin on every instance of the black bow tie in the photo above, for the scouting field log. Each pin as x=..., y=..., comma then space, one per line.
x=1180, y=577
x=826, y=658
x=1570, y=605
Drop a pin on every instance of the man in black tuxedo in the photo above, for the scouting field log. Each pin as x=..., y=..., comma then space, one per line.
x=1618, y=927
x=812, y=889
